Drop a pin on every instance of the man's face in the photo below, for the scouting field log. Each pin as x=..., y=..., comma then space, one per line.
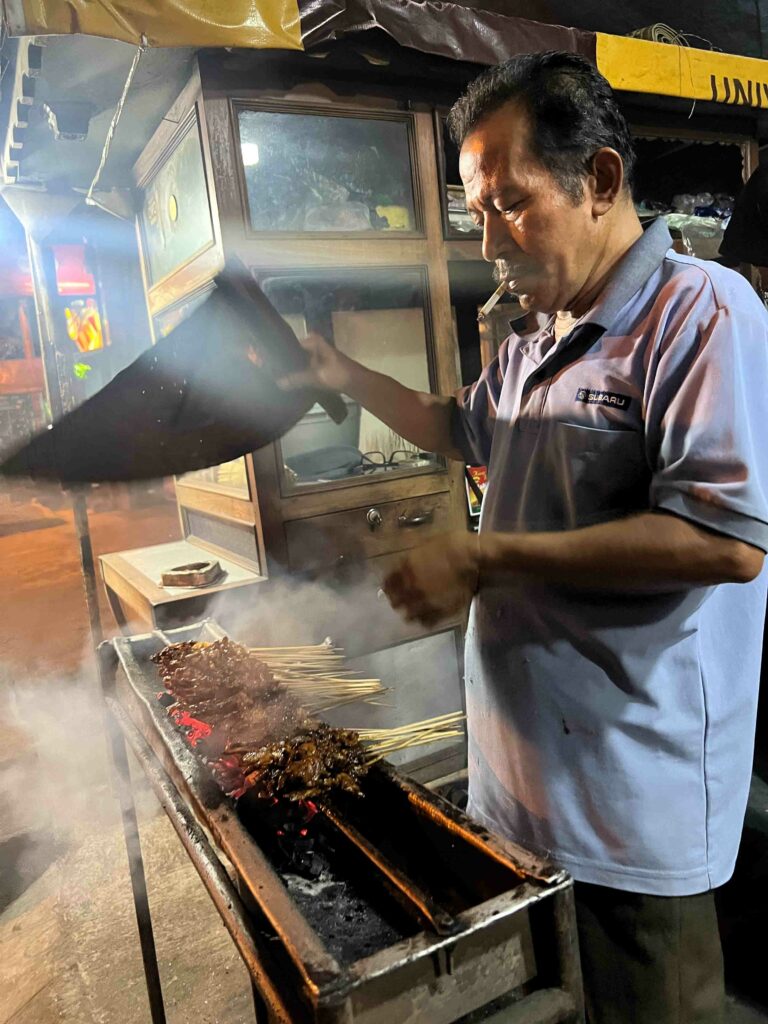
x=543, y=243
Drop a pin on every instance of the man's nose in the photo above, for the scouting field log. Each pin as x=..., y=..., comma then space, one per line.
x=495, y=238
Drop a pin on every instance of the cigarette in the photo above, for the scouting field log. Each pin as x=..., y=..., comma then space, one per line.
x=483, y=312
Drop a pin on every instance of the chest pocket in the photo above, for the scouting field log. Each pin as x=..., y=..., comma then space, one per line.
x=595, y=474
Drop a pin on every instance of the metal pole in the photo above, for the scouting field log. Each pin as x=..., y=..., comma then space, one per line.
x=87, y=565
x=119, y=753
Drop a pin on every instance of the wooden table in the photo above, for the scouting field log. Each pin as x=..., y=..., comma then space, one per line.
x=132, y=582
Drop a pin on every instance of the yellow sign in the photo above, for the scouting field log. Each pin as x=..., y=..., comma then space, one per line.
x=269, y=24
x=638, y=65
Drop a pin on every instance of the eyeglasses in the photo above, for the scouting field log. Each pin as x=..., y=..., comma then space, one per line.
x=371, y=461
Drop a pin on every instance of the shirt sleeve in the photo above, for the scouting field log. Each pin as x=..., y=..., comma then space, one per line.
x=706, y=421
x=474, y=414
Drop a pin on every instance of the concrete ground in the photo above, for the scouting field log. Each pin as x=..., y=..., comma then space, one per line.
x=68, y=941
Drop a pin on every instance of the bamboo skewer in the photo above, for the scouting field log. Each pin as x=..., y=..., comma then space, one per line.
x=382, y=742
x=315, y=674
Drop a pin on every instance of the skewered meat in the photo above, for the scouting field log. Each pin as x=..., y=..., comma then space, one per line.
x=222, y=671
x=299, y=767
x=258, y=736
x=229, y=689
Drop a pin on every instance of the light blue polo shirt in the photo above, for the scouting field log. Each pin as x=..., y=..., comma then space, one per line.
x=614, y=731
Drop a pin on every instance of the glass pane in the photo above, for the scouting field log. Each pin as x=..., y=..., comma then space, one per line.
x=459, y=220
x=229, y=476
x=314, y=172
x=376, y=317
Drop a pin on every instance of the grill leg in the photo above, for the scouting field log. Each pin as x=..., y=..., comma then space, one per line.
x=567, y=942
x=135, y=860
x=260, y=1008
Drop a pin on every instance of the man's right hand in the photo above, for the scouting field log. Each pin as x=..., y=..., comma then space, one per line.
x=422, y=418
x=328, y=369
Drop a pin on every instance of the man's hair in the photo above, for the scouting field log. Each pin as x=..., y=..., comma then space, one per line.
x=572, y=110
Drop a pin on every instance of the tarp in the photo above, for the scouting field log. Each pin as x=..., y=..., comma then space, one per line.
x=459, y=31
x=732, y=26
x=260, y=24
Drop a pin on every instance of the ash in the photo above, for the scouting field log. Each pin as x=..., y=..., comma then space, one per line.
x=342, y=915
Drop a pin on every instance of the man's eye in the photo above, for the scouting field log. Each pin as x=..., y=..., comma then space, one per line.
x=509, y=210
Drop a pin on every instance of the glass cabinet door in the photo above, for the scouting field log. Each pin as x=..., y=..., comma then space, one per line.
x=230, y=477
x=307, y=172
x=379, y=318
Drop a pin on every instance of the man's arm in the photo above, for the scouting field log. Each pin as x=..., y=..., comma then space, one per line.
x=651, y=550
x=648, y=552
x=423, y=419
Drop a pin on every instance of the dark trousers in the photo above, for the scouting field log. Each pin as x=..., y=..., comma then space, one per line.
x=649, y=959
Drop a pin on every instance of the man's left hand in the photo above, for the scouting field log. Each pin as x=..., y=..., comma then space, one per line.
x=436, y=581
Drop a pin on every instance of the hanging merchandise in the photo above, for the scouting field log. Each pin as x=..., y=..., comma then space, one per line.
x=84, y=325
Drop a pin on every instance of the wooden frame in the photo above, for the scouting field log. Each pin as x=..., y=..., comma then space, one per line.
x=377, y=250
x=216, y=107
x=200, y=267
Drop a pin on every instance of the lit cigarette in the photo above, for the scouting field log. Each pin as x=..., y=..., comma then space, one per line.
x=483, y=312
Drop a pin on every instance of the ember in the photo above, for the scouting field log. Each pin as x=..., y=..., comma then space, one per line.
x=195, y=730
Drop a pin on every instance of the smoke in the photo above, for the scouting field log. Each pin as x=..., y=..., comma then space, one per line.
x=421, y=675
x=68, y=939
x=58, y=775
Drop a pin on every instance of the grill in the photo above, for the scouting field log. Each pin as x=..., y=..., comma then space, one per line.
x=393, y=907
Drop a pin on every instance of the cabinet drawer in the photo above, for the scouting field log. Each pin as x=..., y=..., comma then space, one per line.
x=366, y=532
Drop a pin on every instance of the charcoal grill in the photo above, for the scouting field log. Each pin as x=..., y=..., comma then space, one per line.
x=419, y=916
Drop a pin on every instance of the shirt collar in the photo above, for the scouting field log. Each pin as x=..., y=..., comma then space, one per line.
x=631, y=273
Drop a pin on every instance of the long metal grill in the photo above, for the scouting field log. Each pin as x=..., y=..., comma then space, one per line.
x=400, y=910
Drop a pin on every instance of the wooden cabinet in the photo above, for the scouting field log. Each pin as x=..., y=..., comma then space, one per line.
x=333, y=202
x=366, y=532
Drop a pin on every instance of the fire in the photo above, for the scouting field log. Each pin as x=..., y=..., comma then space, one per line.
x=195, y=729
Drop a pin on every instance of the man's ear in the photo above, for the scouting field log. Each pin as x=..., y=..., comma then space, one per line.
x=606, y=180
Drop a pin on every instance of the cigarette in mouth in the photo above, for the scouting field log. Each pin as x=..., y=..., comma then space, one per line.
x=483, y=312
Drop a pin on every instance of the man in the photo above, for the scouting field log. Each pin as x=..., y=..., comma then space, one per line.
x=613, y=643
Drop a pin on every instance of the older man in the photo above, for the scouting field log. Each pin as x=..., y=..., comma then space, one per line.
x=614, y=639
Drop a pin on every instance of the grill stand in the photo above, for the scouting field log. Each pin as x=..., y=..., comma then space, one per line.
x=216, y=880
x=135, y=860
x=559, y=1002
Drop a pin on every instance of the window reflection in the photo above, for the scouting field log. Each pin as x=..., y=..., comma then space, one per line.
x=314, y=172
x=378, y=318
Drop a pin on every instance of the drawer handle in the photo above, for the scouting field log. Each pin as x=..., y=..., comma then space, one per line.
x=417, y=519
x=374, y=518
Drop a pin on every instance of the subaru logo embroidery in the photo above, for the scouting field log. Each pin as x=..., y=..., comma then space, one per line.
x=595, y=396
